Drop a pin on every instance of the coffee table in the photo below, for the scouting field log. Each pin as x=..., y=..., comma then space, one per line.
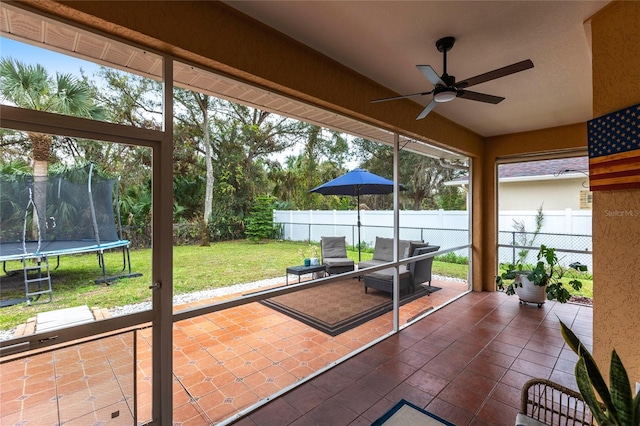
x=301, y=270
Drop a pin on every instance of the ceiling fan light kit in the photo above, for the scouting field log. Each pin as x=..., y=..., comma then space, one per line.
x=445, y=87
x=444, y=94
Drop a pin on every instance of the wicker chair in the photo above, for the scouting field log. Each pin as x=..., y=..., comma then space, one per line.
x=548, y=403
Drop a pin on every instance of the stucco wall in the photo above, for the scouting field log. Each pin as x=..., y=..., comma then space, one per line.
x=616, y=214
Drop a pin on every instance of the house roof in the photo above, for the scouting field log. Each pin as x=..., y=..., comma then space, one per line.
x=537, y=170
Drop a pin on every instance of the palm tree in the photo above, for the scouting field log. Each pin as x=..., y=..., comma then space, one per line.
x=31, y=87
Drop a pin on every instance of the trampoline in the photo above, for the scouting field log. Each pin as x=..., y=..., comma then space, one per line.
x=67, y=213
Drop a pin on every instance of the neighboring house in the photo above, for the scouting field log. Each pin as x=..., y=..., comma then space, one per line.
x=556, y=184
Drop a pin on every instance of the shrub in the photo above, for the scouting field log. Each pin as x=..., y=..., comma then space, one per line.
x=259, y=223
x=453, y=258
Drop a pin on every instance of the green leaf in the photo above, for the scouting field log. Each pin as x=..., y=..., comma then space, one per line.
x=620, y=390
x=595, y=377
x=570, y=338
x=586, y=390
x=636, y=410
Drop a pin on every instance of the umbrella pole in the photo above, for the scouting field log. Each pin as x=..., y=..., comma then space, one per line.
x=359, y=259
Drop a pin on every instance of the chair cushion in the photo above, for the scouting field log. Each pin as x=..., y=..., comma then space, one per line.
x=524, y=420
x=338, y=261
x=413, y=245
x=383, y=249
x=387, y=274
x=369, y=263
x=334, y=247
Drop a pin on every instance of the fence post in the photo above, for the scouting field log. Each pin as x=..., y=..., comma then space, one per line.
x=513, y=250
x=353, y=237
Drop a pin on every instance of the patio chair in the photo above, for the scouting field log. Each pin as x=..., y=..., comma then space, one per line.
x=334, y=255
x=544, y=402
x=421, y=270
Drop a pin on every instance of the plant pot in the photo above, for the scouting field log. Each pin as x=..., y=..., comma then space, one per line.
x=529, y=292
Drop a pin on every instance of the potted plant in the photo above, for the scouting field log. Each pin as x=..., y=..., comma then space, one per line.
x=536, y=284
x=610, y=405
x=310, y=255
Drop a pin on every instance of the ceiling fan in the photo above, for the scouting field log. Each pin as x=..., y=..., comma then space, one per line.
x=446, y=89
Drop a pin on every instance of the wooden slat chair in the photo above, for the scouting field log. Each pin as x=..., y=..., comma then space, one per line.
x=544, y=402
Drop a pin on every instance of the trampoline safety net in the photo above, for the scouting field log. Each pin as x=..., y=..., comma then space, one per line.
x=71, y=212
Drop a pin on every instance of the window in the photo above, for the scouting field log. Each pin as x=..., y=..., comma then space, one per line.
x=586, y=200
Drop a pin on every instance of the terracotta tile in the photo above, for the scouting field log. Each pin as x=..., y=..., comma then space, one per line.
x=409, y=393
x=278, y=412
x=445, y=367
x=515, y=379
x=463, y=396
x=531, y=369
x=365, y=398
x=427, y=382
x=230, y=359
x=546, y=349
x=507, y=395
x=378, y=409
x=187, y=413
x=380, y=382
x=565, y=379
x=332, y=412
x=512, y=339
x=504, y=348
x=565, y=366
x=452, y=413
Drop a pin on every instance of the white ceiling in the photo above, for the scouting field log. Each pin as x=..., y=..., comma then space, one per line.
x=385, y=40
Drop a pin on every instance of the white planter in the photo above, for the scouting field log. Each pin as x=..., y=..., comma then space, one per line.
x=529, y=292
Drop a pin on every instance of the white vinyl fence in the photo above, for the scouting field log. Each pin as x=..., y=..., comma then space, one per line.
x=563, y=229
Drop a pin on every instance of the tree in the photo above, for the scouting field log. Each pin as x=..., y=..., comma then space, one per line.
x=31, y=87
x=321, y=159
x=423, y=177
x=259, y=223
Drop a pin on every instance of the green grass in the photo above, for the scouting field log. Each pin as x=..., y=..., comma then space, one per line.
x=195, y=268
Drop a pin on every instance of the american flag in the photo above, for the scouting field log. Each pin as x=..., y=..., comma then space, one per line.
x=614, y=150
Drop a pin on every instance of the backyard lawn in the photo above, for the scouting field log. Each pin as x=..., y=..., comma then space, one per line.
x=195, y=269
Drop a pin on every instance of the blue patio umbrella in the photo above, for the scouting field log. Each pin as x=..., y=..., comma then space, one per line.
x=355, y=183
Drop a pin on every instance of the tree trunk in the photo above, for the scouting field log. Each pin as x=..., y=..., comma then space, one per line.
x=41, y=148
x=203, y=103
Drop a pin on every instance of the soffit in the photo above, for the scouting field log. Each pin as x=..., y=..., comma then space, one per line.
x=43, y=32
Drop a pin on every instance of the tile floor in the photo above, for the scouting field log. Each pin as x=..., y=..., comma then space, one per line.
x=465, y=362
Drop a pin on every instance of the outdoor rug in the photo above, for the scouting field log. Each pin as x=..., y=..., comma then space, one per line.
x=339, y=306
x=405, y=413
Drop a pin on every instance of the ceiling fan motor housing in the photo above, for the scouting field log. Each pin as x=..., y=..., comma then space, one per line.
x=444, y=94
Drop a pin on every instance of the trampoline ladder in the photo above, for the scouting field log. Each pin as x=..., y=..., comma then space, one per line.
x=41, y=280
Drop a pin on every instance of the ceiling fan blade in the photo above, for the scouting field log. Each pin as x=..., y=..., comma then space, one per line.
x=427, y=110
x=492, y=75
x=430, y=74
x=393, y=98
x=475, y=96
